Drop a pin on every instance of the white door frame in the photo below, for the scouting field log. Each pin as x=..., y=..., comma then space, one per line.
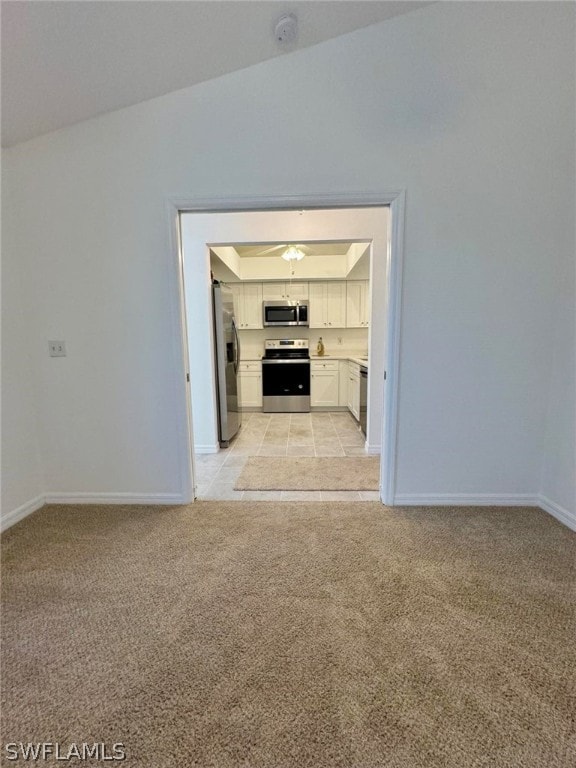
x=395, y=200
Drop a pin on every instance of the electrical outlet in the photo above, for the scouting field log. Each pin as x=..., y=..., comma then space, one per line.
x=57, y=348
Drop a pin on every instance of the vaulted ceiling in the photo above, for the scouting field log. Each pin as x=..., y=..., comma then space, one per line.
x=63, y=62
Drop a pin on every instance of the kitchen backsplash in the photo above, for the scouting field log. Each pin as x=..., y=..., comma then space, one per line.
x=353, y=339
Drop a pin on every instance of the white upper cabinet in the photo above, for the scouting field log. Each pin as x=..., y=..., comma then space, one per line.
x=357, y=304
x=336, y=301
x=247, y=304
x=328, y=304
x=317, y=308
x=275, y=291
x=333, y=303
x=297, y=291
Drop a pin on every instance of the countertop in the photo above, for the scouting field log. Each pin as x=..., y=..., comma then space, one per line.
x=353, y=357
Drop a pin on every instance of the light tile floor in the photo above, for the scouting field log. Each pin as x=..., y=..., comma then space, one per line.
x=282, y=434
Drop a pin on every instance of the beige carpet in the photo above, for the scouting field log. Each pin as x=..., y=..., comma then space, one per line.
x=293, y=635
x=287, y=473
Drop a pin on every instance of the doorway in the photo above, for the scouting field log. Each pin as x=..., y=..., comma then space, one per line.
x=202, y=225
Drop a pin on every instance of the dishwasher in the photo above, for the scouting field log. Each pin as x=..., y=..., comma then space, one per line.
x=363, y=398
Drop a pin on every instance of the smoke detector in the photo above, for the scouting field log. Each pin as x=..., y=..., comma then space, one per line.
x=286, y=29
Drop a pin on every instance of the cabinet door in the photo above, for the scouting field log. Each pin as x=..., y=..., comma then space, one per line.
x=317, y=308
x=273, y=291
x=250, y=389
x=350, y=402
x=357, y=304
x=354, y=304
x=252, y=305
x=238, y=298
x=356, y=397
x=336, y=304
x=297, y=291
x=356, y=410
x=354, y=390
x=365, y=313
x=343, y=383
x=276, y=291
x=324, y=388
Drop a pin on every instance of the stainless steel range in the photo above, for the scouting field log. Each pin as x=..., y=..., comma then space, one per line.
x=286, y=376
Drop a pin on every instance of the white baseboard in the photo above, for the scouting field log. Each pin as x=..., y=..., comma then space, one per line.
x=12, y=517
x=328, y=408
x=147, y=499
x=373, y=450
x=114, y=498
x=206, y=448
x=465, y=499
x=563, y=515
x=487, y=499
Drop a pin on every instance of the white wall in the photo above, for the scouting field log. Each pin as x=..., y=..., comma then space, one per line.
x=22, y=480
x=558, y=488
x=354, y=340
x=469, y=106
x=199, y=230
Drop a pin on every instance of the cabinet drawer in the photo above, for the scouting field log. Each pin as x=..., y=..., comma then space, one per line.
x=324, y=365
x=354, y=369
x=255, y=365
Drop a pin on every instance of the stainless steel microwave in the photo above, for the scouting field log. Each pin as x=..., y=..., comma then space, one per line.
x=284, y=313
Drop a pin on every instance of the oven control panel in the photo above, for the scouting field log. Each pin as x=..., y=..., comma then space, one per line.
x=286, y=344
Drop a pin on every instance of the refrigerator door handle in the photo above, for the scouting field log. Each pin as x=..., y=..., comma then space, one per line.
x=237, y=355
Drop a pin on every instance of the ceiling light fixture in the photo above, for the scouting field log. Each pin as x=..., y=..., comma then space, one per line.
x=292, y=254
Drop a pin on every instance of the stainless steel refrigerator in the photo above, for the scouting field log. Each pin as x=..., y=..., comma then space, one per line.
x=227, y=356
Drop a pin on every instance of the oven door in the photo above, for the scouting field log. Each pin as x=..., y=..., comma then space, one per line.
x=279, y=313
x=286, y=386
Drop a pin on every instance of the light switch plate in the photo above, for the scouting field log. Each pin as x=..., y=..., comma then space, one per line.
x=57, y=348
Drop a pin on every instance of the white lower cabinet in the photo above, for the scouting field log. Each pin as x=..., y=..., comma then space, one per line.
x=343, y=372
x=250, y=384
x=354, y=390
x=324, y=383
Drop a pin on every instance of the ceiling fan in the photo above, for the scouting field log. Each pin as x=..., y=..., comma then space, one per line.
x=292, y=251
